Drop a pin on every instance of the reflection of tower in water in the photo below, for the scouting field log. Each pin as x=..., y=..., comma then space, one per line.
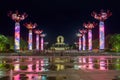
x=102, y=64
x=90, y=63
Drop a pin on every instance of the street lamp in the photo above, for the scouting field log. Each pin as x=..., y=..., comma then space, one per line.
x=17, y=17
x=102, y=16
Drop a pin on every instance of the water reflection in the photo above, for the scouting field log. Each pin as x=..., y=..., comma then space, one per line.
x=33, y=68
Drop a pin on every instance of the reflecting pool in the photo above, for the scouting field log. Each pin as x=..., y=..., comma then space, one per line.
x=56, y=68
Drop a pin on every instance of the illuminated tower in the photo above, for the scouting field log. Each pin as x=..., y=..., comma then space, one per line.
x=17, y=17
x=37, y=32
x=89, y=26
x=42, y=42
x=83, y=38
x=30, y=26
x=102, y=16
x=79, y=42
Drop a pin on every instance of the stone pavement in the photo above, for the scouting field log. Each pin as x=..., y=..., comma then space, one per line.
x=72, y=74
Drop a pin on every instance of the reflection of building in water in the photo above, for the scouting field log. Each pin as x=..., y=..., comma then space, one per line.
x=60, y=45
x=60, y=66
x=92, y=63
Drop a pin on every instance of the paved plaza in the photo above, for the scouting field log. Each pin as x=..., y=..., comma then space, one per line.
x=72, y=74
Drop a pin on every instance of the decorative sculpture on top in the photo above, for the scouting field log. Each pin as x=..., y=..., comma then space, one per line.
x=83, y=32
x=30, y=26
x=89, y=26
x=102, y=16
x=17, y=17
x=37, y=32
x=42, y=41
x=79, y=42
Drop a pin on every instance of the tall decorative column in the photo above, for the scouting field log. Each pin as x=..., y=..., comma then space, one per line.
x=79, y=41
x=37, y=32
x=17, y=17
x=30, y=26
x=42, y=41
x=89, y=26
x=83, y=32
x=102, y=16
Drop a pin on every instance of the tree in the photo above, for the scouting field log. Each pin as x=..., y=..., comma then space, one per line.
x=95, y=44
x=11, y=42
x=115, y=42
x=23, y=43
x=3, y=42
x=107, y=43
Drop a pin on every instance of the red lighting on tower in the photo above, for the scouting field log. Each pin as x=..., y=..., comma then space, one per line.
x=89, y=25
x=30, y=25
x=38, y=31
x=16, y=16
x=102, y=16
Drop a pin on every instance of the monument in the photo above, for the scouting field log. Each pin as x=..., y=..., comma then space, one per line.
x=60, y=45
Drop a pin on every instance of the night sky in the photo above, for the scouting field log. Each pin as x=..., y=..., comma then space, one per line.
x=59, y=17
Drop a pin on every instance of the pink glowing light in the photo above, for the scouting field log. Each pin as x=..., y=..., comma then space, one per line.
x=42, y=64
x=37, y=66
x=17, y=77
x=102, y=64
x=30, y=67
x=90, y=66
x=30, y=76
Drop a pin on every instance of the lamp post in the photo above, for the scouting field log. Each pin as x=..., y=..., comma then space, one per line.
x=102, y=16
x=30, y=26
x=79, y=42
x=83, y=32
x=37, y=32
x=42, y=41
x=89, y=26
x=17, y=17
